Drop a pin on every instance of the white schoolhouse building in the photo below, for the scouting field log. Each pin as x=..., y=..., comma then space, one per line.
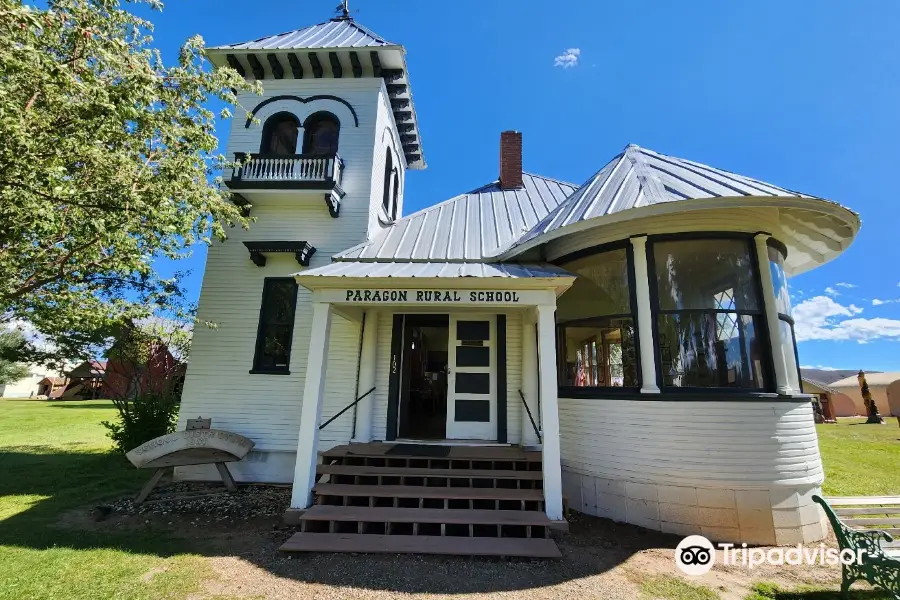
x=623, y=347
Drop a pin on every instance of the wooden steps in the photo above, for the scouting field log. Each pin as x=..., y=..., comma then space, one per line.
x=386, y=514
x=371, y=471
x=420, y=491
x=476, y=501
x=421, y=544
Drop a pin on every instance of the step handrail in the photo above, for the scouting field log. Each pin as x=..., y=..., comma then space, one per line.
x=531, y=418
x=345, y=409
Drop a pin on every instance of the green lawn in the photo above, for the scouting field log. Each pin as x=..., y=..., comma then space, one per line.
x=860, y=459
x=54, y=456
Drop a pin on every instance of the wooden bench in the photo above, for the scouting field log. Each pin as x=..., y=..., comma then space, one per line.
x=881, y=555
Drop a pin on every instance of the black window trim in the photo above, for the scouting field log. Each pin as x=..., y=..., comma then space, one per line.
x=313, y=119
x=259, y=328
x=763, y=333
x=269, y=126
x=599, y=392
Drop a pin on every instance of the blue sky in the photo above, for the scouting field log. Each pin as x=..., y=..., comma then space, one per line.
x=800, y=94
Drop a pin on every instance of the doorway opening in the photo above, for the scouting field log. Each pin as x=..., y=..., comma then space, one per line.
x=423, y=388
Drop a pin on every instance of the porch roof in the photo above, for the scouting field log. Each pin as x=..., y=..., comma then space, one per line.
x=420, y=270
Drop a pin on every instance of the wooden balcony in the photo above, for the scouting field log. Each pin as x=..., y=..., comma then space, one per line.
x=314, y=172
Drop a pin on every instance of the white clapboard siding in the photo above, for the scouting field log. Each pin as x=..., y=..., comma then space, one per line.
x=386, y=136
x=266, y=408
x=742, y=444
x=749, y=220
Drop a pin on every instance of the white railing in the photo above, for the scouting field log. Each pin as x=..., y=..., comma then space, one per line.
x=296, y=167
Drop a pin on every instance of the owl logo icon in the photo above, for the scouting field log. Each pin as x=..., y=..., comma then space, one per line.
x=695, y=555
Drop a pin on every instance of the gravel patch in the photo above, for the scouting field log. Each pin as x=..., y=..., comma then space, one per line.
x=198, y=498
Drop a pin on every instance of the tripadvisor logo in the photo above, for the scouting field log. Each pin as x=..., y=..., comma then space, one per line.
x=696, y=555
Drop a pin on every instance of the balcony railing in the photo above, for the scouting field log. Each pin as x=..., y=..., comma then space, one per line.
x=310, y=171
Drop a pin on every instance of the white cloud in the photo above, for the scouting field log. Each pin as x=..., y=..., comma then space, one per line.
x=845, y=285
x=567, y=59
x=821, y=318
x=877, y=302
x=819, y=367
x=832, y=292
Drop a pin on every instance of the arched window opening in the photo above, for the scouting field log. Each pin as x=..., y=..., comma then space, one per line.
x=386, y=198
x=394, y=203
x=279, y=137
x=709, y=315
x=320, y=134
x=595, y=317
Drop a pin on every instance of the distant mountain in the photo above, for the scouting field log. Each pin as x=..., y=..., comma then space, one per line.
x=827, y=376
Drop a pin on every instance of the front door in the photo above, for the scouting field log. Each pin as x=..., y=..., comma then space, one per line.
x=472, y=379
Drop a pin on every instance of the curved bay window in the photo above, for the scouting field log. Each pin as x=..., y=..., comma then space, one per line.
x=279, y=135
x=787, y=339
x=321, y=131
x=595, y=324
x=709, y=314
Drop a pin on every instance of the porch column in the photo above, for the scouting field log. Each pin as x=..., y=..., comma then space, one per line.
x=782, y=385
x=366, y=377
x=649, y=384
x=550, y=411
x=529, y=380
x=311, y=411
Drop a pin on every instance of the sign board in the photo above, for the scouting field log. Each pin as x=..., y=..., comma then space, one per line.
x=435, y=297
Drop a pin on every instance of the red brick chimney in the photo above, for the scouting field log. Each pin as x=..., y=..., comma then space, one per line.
x=510, y=160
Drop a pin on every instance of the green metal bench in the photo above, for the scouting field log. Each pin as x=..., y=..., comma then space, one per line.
x=878, y=567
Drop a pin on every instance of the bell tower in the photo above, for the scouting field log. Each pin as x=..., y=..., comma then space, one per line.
x=335, y=125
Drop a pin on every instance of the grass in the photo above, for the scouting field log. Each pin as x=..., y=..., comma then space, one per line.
x=669, y=587
x=860, y=459
x=770, y=591
x=54, y=456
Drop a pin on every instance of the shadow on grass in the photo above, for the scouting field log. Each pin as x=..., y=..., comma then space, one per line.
x=83, y=404
x=73, y=480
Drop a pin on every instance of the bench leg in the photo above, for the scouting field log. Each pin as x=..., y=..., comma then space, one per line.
x=227, y=479
x=148, y=487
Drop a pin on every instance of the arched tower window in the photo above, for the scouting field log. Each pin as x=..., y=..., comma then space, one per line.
x=388, y=168
x=394, y=202
x=320, y=133
x=279, y=136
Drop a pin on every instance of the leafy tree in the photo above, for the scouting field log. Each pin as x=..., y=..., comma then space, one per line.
x=11, y=342
x=107, y=162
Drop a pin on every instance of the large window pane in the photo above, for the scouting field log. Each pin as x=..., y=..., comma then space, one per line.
x=699, y=349
x=779, y=279
x=705, y=274
x=601, y=288
x=276, y=325
x=599, y=353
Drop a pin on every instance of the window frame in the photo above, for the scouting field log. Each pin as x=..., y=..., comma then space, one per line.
x=314, y=119
x=782, y=249
x=762, y=332
x=388, y=171
x=601, y=392
x=257, y=352
x=268, y=130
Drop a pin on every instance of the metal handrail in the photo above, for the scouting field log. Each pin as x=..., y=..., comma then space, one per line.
x=346, y=408
x=531, y=418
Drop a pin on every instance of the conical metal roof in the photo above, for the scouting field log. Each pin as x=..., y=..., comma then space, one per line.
x=336, y=33
x=640, y=177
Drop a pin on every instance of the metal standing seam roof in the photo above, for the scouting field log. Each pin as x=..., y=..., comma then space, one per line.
x=338, y=33
x=436, y=269
x=469, y=227
x=641, y=177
